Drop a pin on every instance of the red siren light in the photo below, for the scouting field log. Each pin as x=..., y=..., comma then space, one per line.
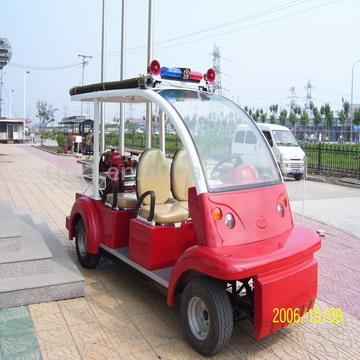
x=210, y=76
x=154, y=68
x=195, y=76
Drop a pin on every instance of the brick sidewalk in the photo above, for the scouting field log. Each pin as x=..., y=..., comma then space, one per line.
x=125, y=317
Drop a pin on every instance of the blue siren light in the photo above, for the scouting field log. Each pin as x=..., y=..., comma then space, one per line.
x=171, y=73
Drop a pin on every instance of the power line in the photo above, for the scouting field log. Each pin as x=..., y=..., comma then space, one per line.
x=44, y=68
x=246, y=18
x=251, y=25
x=229, y=23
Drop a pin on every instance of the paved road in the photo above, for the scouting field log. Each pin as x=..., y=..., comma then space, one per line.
x=336, y=205
x=123, y=317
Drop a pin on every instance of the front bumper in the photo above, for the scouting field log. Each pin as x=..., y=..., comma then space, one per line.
x=293, y=288
x=292, y=168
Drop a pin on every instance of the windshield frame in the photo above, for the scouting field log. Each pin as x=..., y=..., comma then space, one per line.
x=227, y=188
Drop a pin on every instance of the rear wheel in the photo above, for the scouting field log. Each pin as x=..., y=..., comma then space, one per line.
x=86, y=260
x=298, y=177
x=207, y=315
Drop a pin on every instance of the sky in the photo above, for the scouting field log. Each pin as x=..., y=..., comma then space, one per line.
x=267, y=46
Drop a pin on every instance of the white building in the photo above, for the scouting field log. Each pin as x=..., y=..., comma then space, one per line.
x=12, y=130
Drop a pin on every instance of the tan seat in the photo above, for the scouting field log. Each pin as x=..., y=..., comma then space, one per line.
x=153, y=174
x=166, y=213
x=124, y=200
x=181, y=178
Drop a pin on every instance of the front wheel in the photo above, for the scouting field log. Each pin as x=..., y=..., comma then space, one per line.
x=298, y=177
x=86, y=259
x=207, y=315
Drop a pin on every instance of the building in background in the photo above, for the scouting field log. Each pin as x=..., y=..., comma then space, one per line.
x=12, y=130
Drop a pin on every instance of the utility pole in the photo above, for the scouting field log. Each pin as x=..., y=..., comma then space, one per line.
x=11, y=99
x=122, y=75
x=102, y=117
x=352, y=99
x=216, y=66
x=149, y=59
x=83, y=63
x=25, y=76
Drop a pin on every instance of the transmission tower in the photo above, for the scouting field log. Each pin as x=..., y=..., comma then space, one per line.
x=308, y=99
x=292, y=97
x=216, y=66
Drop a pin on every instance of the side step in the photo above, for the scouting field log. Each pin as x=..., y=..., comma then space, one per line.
x=161, y=276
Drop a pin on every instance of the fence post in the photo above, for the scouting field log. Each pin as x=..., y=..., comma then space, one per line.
x=319, y=157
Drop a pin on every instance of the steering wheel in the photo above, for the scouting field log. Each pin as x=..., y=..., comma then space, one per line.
x=224, y=167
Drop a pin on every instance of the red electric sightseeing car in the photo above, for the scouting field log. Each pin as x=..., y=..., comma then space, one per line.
x=213, y=227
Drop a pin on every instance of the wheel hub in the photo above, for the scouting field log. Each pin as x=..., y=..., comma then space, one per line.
x=81, y=242
x=198, y=318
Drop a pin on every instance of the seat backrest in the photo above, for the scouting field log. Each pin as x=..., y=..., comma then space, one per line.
x=181, y=176
x=153, y=174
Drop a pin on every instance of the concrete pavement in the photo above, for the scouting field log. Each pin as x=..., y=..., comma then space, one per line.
x=124, y=317
x=335, y=205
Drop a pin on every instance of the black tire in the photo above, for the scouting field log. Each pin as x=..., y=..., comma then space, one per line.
x=298, y=177
x=86, y=260
x=217, y=316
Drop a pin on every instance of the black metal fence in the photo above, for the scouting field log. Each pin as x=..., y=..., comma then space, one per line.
x=333, y=158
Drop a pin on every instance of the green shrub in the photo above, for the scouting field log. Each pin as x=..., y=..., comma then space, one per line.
x=60, y=138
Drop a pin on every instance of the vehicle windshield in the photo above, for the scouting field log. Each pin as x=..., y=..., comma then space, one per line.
x=284, y=138
x=232, y=151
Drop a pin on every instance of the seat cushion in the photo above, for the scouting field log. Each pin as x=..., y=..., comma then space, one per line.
x=183, y=204
x=166, y=213
x=124, y=200
x=181, y=176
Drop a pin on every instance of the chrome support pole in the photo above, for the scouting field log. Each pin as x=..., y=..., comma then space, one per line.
x=149, y=58
x=162, y=131
x=122, y=75
x=102, y=117
x=95, y=167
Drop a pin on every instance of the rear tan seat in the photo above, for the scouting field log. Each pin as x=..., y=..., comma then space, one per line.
x=153, y=175
x=124, y=200
x=181, y=178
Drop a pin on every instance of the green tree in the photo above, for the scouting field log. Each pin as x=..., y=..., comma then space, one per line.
x=328, y=114
x=356, y=117
x=317, y=115
x=263, y=115
x=293, y=118
x=256, y=115
x=45, y=114
x=342, y=119
x=273, y=112
x=346, y=116
x=304, y=118
x=283, y=116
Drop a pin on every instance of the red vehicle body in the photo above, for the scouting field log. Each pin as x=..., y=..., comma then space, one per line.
x=262, y=251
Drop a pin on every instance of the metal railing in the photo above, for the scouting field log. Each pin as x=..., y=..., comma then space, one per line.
x=333, y=158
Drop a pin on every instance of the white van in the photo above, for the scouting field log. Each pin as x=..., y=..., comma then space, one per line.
x=286, y=149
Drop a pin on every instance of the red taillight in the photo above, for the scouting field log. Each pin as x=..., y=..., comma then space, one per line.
x=154, y=68
x=210, y=76
x=196, y=76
